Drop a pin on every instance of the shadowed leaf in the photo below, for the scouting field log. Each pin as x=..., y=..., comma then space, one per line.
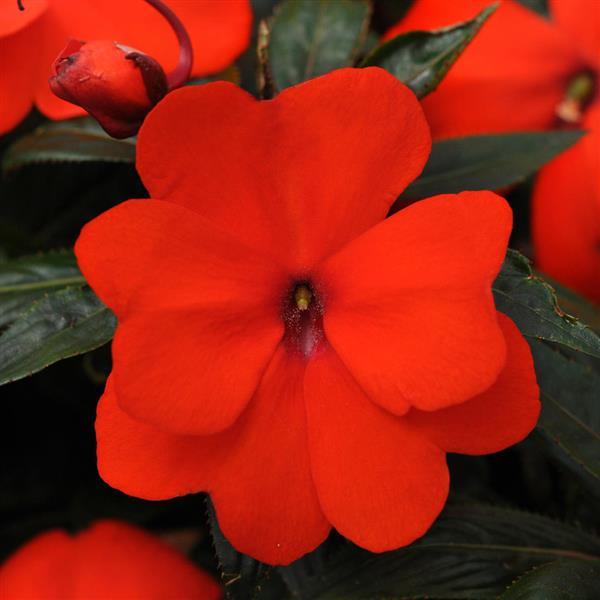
x=421, y=59
x=309, y=38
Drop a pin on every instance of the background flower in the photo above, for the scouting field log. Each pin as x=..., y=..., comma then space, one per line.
x=515, y=76
x=220, y=31
x=109, y=560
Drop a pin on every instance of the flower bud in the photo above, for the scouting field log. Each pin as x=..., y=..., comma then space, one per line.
x=117, y=85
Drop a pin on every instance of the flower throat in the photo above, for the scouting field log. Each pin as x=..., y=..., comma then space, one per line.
x=302, y=315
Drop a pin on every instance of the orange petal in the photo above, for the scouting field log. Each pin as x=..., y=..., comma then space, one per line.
x=511, y=77
x=566, y=213
x=109, y=560
x=496, y=419
x=380, y=482
x=264, y=494
x=18, y=59
x=408, y=305
x=257, y=471
x=293, y=175
x=581, y=20
x=146, y=462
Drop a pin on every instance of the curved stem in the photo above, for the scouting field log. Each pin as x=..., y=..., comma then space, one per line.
x=181, y=73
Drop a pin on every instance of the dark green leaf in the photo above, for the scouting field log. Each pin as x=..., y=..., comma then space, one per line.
x=59, y=325
x=421, y=59
x=76, y=140
x=312, y=37
x=539, y=6
x=244, y=578
x=558, y=580
x=486, y=162
x=570, y=419
x=470, y=552
x=26, y=279
x=531, y=303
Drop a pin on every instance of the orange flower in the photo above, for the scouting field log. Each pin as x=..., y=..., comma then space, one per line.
x=30, y=41
x=518, y=74
x=109, y=560
x=281, y=344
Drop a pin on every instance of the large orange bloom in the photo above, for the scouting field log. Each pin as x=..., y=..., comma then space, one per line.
x=30, y=41
x=515, y=76
x=281, y=344
x=109, y=560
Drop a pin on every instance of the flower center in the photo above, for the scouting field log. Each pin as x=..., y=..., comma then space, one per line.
x=580, y=92
x=302, y=314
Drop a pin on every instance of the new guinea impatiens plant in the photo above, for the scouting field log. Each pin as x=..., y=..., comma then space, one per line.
x=36, y=31
x=284, y=346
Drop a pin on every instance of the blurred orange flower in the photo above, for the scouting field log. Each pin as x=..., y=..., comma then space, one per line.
x=109, y=560
x=281, y=344
x=30, y=41
x=525, y=72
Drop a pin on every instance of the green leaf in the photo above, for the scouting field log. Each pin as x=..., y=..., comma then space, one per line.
x=538, y=6
x=486, y=162
x=570, y=418
x=531, y=303
x=558, y=580
x=421, y=59
x=243, y=576
x=59, y=325
x=471, y=552
x=75, y=140
x=26, y=279
x=309, y=38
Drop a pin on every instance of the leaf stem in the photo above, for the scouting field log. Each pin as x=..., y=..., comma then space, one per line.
x=181, y=73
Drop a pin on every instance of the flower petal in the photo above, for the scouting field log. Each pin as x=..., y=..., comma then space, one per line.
x=408, y=305
x=257, y=471
x=146, y=462
x=16, y=85
x=581, y=20
x=496, y=419
x=264, y=494
x=293, y=175
x=153, y=254
x=380, y=482
x=511, y=77
x=566, y=213
x=192, y=372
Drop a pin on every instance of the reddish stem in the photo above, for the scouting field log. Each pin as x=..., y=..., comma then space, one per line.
x=181, y=73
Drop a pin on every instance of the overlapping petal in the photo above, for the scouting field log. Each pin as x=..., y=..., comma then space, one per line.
x=264, y=494
x=380, y=482
x=408, y=305
x=295, y=174
x=566, y=213
x=511, y=77
x=199, y=313
x=499, y=417
x=257, y=471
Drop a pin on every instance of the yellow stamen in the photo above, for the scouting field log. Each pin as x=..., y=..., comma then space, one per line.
x=302, y=296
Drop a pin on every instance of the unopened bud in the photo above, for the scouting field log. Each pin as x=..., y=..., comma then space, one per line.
x=117, y=85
